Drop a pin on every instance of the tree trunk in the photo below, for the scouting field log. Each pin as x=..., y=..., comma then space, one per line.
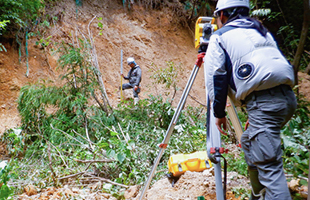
x=308, y=69
x=302, y=40
x=104, y=95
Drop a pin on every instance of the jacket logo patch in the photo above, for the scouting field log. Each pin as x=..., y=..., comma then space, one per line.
x=244, y=71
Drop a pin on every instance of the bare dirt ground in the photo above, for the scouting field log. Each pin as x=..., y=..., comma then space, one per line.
x=152, y=38
x=304, y=85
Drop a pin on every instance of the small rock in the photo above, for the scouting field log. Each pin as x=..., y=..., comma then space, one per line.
x=95, y=186
x=30, y=190
x=304, y=188
x=293, y=184
x=131, y=192
x=51, y=190
x=303, y=191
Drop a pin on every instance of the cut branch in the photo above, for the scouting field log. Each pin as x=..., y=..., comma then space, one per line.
x=72, y=138
x=82, y=136
x=300, y=177
x=88, y=139
x=123, y=133
x=197, y=100
x=54, y=176
x=107, y=181
x=72, y=175
x=94, y=161
x=58, y=153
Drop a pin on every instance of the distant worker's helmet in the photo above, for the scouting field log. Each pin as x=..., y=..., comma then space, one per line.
x=130, y=60
x=226, y=4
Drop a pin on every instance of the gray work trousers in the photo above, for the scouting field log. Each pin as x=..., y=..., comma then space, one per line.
x=268, y=111
x=128, y=86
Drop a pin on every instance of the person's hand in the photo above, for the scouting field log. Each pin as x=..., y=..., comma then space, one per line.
x=136, y=87
x=219, y=122
x=122, y=75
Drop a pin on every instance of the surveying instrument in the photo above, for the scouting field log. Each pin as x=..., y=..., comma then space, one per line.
x=203, y=30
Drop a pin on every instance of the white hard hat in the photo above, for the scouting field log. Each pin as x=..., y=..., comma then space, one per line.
x=130, y=60
x=225, y=4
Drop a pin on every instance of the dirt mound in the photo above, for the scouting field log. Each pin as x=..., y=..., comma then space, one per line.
x=194, y=184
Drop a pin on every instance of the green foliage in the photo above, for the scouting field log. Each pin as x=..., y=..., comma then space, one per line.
x=20, y=13
x=2, y=47
x=261, y=12
x=100, y=26
x=161, y=118
x=303, y=111
x=296, y=155
x=3, y=24
x=296, y=140
x=15, y=142
x=237, y=163
x=5, y=175
x=41, y=33
x=291, y=38
x=167, y=76
x=284, y=19
x=63, y=118
x=242, y=116
x=80, y=74
x=123, y=135
x=196, y=8
x=44, y=42
x=241, y=192
x=2, y=27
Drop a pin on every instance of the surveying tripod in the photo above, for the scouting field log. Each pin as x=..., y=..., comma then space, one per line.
x=213, y=136
x=214, y=148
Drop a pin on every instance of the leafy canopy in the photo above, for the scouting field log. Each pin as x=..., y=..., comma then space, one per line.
x=20, y=13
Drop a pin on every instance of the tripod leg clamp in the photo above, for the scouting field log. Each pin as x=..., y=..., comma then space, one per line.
x=163, y=145
x=200, y=59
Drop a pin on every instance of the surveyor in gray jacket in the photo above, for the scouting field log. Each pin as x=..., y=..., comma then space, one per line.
x=134, y=76
x=244, y=62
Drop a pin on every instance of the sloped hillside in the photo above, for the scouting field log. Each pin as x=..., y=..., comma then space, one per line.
x=151, y=37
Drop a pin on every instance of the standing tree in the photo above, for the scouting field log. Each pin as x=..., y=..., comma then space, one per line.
x=303, y=37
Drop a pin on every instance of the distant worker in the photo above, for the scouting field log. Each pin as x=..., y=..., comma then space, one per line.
x=128, y=3
x=134, y=76
x=244, y=62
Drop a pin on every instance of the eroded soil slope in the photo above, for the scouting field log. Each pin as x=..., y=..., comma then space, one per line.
x=151, y=37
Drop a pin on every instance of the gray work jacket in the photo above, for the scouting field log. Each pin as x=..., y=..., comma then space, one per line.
x=134, y=76
x=243, y=57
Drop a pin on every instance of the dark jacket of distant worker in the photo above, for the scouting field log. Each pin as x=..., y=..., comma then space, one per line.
x=134, y=76
x=244, y=62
